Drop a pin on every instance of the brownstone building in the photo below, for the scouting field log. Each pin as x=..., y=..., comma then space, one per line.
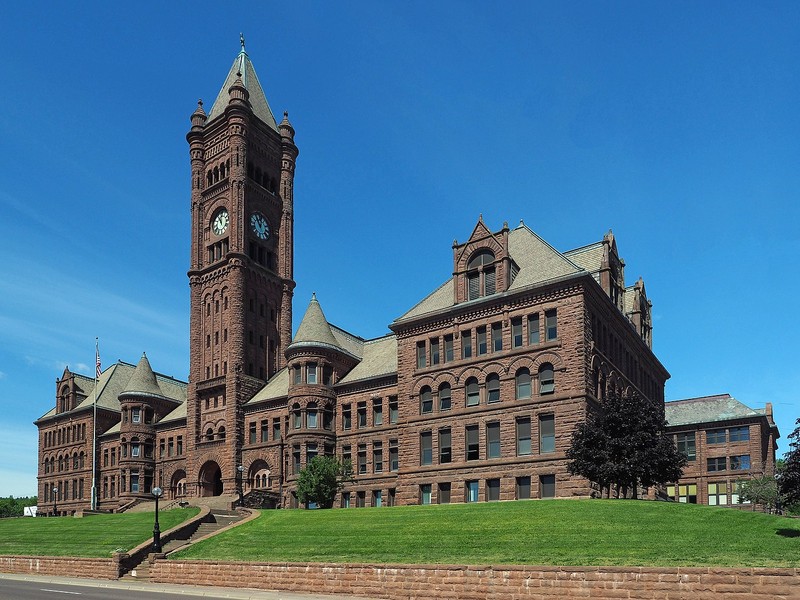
x=473, y=396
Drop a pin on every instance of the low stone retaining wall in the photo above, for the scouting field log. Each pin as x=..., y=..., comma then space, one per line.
x=66, y=566
x=410, y=582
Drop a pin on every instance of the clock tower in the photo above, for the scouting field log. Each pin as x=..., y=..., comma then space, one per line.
x=241, y=274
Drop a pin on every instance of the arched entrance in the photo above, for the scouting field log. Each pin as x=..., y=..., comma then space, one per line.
x=210, y=479
x=177, y=485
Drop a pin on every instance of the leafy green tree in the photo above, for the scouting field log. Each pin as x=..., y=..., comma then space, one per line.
x=322, y=479
x=789, y=476
x=623, y=444
x=14, y=507
x=759, y=490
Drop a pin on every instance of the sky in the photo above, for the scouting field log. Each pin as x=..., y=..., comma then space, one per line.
x=673, y=124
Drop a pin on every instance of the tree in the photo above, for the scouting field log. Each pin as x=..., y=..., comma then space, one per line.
x=322, y=479
x=14, y=507
x=759, y=490
x=623, y=444
x=789, y=477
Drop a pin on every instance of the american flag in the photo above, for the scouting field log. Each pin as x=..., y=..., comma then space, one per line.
x=97, y=356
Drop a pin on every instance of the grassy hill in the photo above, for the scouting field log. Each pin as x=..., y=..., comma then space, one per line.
x=554, y=532
x=95, y=536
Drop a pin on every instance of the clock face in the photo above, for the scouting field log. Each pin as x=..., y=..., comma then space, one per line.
x=260, y=225
x=219, y=223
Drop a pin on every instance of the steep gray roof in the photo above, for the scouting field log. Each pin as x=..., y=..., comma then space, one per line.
x=143, y=381
x=588, y=258
x=314, y=329
x=277, y=387
x=707, y=409
x=379, y=358
x=258, y=100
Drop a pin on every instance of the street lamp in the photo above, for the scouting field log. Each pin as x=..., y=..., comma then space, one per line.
x=240, y=474
x=157, y=492
x=55, y=501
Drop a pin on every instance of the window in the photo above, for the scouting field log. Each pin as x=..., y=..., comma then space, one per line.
x=472, y=446
x=421, y=355
x=471, y=488
x=295, y=459
x=448, y=348
x=550, y=325
x=686, y=445
x=523, y=488
x=362, y=415
x=547, y=486
x=362, y=459
x=394, y=413
x=480, y=267
x=251, y=433
x=547, y=433
x=717, y=493
x=445, y=449
x=425, y=493
x=547, y=384
x=345, y=499
x=134, y=482
x=377, y=498
x=347, y=454
x=482, y=349
x=426, y=400
x=361, y=499
x=311, y=416
x=473, y=392
x=523, y=436
x=327, y=375
x=435, y=351
x=466, y=344
x=739, y=434
x=493, y=388
x=347, y=419
x=276, y=429
x=523, y=384
x=134, y=450
x=377, y=411
x=264, y=430
x=425, y=448
x=492, y=490
x=297, y=417
x=715, y=436
x=377, y=457
x=493, y=440
x=716, y=464
x=297, y=375
x=740, y=463
x=179, y=446
x=444, y=493
x=444, y=397
x=394, y=461
x=311, y=451
x=136, y=415
x=516, y=332
x=497, y=337
x=533, y=329
x=311, y=373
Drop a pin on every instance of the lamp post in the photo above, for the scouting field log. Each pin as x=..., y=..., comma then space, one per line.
x=157, y=492
x=240, y=475
x=55, y=501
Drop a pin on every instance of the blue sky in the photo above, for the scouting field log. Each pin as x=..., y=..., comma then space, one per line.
x=674, y=124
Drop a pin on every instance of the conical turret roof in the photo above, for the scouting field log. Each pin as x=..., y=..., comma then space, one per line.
x=143, y=381
x=314, y=328
x=243, y=69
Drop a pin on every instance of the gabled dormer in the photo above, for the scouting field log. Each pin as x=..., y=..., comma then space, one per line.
x=482, y=265
x=612, y=271
x=641, y=312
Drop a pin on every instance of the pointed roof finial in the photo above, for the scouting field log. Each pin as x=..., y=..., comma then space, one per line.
x=241, y=40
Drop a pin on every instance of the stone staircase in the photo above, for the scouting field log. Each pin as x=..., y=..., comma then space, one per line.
x=219, y=518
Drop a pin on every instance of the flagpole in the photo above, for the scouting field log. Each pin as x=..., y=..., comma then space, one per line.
x=94, y=423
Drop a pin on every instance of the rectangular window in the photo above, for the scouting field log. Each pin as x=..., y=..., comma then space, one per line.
x=551, y=325
x=547, y=433
x=493, y=440
x=717, y=494
x=394, y=412
x=311, y=418
x=421, y=355
x=715, y=436
x=523, y=436
x=377, y=457
x=394, y=456
x=448, y=348
x=740, y=463
x=497, y=337
x=533, y=329
x=347, y=419
x=251, y=432
x=425, y=448
x=444, y=493
x=523, y=488
x=134, y=482
x=435, y=351
x=716, y=464
x=362, y=415
x=362, y=459
x=492, y=490
x=345, y=499
x=472, y=446
x=377, y=498
x=516, y=332
x=425, y=493
x=466, y=344
x=347, y=456
x=471, y=488
x=136, y=417
x=276, y=429
x=377, y=411
x=311, y=373
x=295, y=460
x=686, y=445
x=265, y=430
x=739, y=434
x=134, y=449
x=391, y=498
x=445, y=449
x=298, y=374
x=547, y=486
x=311, y=451
x=489, y=281
x=361, y=499
x=482, y=349
x=474, y=286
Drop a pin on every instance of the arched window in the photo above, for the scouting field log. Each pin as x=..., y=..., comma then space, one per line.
x=81, y=460
x=481, y=275
x=426, y=400
x=311, y=416
x=221, y=434
x=297, y=417
x=493, y=388
x=209, y=435
x=473, y=392
x=547, y=382
x=444, y=397
x=523, y=383
x=75, y=460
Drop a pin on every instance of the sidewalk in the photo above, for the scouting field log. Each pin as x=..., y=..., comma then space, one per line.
x=185, y=590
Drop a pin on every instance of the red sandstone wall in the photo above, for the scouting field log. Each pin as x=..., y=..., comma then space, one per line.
x=95, y=568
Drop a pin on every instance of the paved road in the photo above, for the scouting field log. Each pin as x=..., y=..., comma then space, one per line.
x=29, y=587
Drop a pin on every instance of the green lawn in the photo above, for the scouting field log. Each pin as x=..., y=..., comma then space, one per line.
x=95, y=536
x=556, y=532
